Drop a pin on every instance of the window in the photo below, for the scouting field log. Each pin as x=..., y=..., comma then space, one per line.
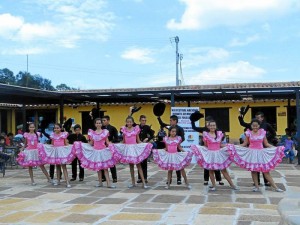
x=87, y=122
x=221, y=116
x=292, y=118
x=3, y=120
x=46, y=115
x=269, y=112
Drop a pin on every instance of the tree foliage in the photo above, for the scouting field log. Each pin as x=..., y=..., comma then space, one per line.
x=64, y=87
x=7, y=76
x=25, y=79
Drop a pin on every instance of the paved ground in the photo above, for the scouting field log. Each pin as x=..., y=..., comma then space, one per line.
x=21, y=203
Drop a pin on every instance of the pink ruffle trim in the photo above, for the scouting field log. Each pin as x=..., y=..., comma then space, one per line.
x=88, y=164
x=258, y=167
x=171, y=166
x=56, y=161
x=211, y=166
x=30, y=163
x=130, y=159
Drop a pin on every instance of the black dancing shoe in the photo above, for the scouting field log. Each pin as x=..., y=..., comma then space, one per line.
x=115, y=180
x=73, y=179
x=103, y=179
x=221, y=183
x=139, y=181
x=267, y=184
x=205, y=183
x=179, y=182
x=80, y=179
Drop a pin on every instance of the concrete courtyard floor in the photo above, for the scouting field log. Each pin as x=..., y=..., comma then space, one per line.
x=21, y=203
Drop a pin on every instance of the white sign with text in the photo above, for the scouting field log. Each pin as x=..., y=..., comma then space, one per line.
x=191, y=136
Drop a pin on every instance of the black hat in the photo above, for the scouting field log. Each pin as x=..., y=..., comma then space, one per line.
x=195, y=116
x=243, y=110
x=67, y=125
x=159, y=109
x=135, y=109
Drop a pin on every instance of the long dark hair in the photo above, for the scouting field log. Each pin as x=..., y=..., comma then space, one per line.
x=255, y=121
x=95, y=120
x=130, y=118
x=216, y=133
x=34, y=130
x=171, y=128
x=59, y=125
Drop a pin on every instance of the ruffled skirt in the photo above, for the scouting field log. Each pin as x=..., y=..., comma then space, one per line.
x=131, y=153
x=212, y=159
x=260, y=160
x=94, y=159
x=29, y=157
x=56, y=155
x=172, y=161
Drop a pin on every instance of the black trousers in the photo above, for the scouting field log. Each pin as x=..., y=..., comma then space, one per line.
x=217, y=174
x=74, y=169
x=51, y=171
x=144, y=165
x=178, y=174
x=265, y=180
x=113, y=171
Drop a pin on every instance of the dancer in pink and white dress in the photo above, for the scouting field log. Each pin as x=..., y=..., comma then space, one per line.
x=214, y=155
x=256, y=158
x=59, y=153
x=29, y=156
x=132, y=151
x=95, y=155
x=170, y=159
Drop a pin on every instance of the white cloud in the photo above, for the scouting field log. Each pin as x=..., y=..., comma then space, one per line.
x=199, y=56
x=9, y=25
x=29, y=32
x=69, y=22
x=23, y=51
x=201, y=14
x=239, y=71
x=141, y=55
x=248, y=40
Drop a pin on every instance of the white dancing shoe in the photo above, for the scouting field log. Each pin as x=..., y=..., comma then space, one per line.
x=212, y=189
x=55, y=183
x=255, y=189
x=131, y=185
x=33, y=184
x=278, y=190
x=145, y=186
x=236, y=188
x=188, y=186
x=99, y=185
x=167, y=187
x=68, y=185
x=111, y=186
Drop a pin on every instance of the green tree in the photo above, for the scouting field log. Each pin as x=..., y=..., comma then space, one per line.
x=47, y=85
x=7, y=76
x=64, y=87
x=33, y=81
x=25, y=79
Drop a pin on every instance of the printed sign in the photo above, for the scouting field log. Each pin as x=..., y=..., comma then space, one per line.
x=191, y=136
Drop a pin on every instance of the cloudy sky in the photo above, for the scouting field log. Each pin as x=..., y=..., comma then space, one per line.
x=130, y=43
